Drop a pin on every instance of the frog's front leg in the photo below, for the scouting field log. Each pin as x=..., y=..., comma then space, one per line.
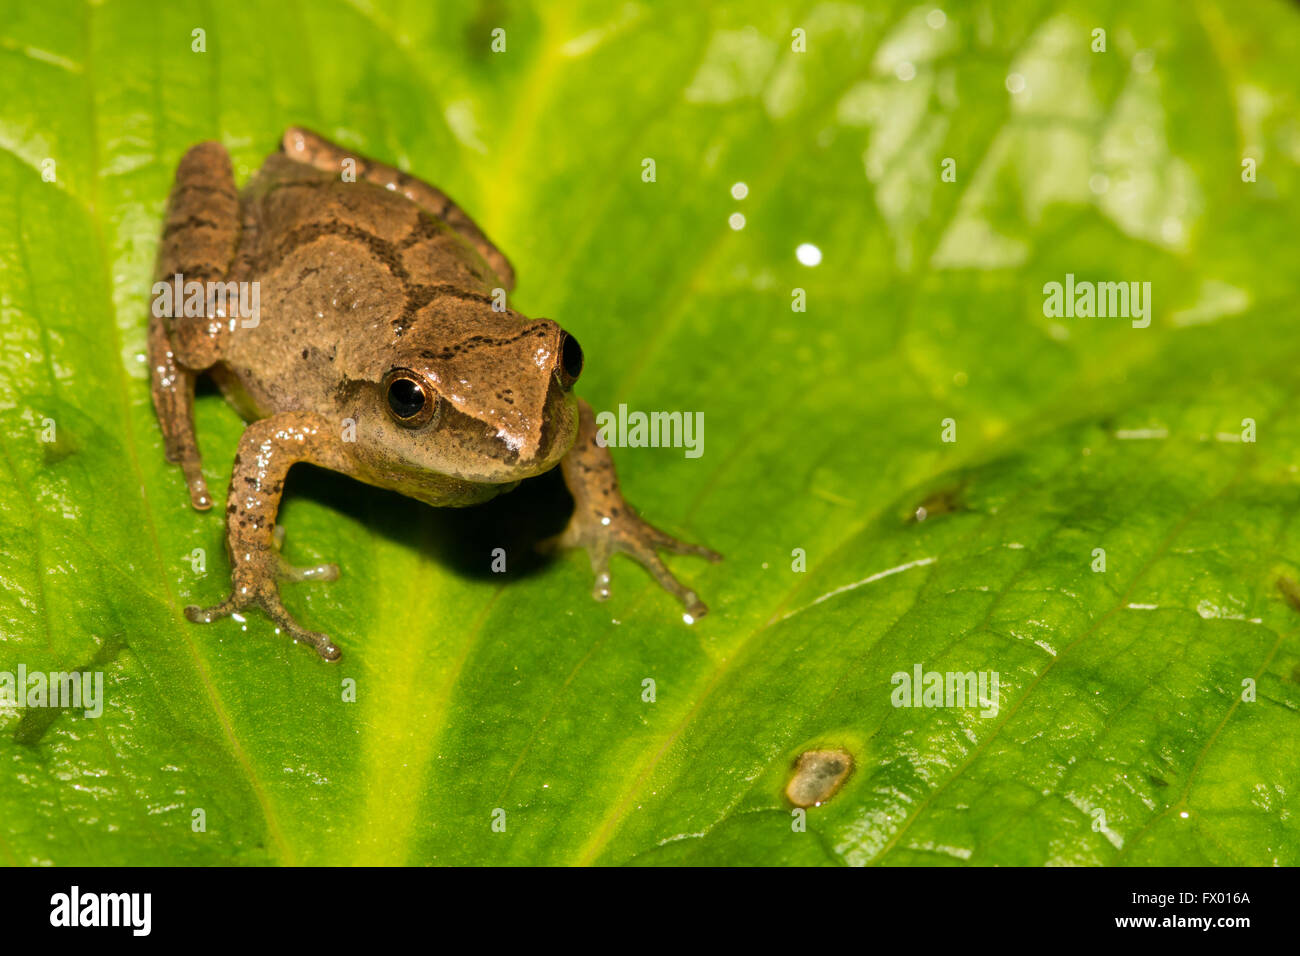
x=604, y=523
x=267, y=449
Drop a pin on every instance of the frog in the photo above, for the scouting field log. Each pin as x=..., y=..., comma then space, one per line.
x=382, y=348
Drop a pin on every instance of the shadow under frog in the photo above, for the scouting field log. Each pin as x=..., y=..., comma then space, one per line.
x=522, y=523
x=377, y=353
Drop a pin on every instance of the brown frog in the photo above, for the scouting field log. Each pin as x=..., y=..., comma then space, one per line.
x=379, y=349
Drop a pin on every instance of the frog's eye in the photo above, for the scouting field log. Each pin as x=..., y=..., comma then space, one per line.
x=411, y=401
x=570, y=360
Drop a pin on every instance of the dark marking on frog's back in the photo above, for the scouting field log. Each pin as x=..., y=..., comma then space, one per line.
x=472, y=342
x=427, y=228
x=380, y=248
x=419, y=296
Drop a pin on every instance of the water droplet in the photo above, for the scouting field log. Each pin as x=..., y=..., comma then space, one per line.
x=808, y=254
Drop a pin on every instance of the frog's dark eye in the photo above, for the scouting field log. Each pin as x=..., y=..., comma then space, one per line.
x=411, y=401
x=570, y=360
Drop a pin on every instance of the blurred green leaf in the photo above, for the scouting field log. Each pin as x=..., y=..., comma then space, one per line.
x=1121, y=735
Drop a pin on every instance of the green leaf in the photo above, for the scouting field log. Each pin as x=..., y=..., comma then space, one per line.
x=1125, y=731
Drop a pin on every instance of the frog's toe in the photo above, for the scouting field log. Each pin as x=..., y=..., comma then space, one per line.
x=325, y=647
x=315, y=572
x=642, y=543
x=666, y=542
x=206, y=615
x=571, y=537
x=180, y=450
x=695, y=608
x=268, y=600
x=604, y=536
x=197, y=485
x=290, y=572
x=200, y=500
x=648, y=559
x=600, y=589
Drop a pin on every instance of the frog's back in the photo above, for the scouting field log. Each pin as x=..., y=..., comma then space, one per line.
x=339, y=266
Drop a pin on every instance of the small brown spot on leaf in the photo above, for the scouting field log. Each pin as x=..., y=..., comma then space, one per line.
x=937, y=503
x=818, y=776
x=1290, y=590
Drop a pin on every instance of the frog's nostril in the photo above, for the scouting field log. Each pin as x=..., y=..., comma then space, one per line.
x=570, y=360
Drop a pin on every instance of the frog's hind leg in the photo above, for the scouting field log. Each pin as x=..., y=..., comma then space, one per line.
x=198, y=244
x=173, y=401
x=307, y=147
